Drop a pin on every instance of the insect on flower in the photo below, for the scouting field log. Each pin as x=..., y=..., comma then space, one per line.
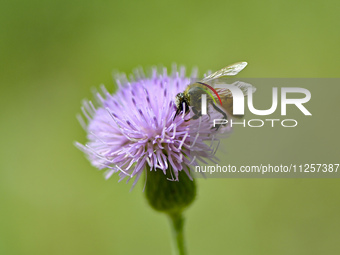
x=191, y=97
x=133, y=131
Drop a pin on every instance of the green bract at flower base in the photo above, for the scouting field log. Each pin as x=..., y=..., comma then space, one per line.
x=168, y=196
x=172, y=198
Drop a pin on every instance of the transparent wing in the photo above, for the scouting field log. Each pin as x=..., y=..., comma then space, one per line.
x=224, y=92
x=227, y=71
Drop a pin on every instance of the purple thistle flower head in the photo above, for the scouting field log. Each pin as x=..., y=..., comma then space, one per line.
x=136, y=128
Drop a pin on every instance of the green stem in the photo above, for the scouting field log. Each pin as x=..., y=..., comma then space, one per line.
x=177, y=222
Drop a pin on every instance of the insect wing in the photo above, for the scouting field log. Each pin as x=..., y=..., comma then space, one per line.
x=230, y=70
x=225, y=92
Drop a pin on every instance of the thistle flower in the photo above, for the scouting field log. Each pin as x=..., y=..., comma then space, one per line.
x=135, y=129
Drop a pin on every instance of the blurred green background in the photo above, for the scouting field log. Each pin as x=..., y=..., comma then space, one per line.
x=53, y=52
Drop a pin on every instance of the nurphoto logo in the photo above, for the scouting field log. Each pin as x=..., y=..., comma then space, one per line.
x=238, y=105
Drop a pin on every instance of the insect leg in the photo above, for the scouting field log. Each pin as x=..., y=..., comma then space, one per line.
x=222, y=112
x=178, y=111
x=197, y=114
